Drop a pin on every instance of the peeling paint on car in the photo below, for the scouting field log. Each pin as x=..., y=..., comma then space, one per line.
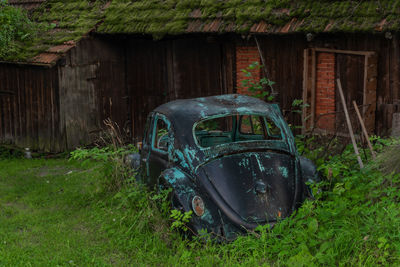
x=207, y=217
x=284, y=171
x=242, y=183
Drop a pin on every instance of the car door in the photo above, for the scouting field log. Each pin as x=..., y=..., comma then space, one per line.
x=158, y=155
x=145, y=148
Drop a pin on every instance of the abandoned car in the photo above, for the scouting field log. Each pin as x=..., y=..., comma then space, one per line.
x=231, y=159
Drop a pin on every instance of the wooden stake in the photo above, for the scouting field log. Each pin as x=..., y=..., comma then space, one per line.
x=273, y=93
x=353, y=140
x=364, y=130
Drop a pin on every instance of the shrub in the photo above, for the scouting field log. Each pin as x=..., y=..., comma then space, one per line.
x=15, y=27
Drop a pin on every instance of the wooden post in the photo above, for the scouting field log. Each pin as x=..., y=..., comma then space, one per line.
x=396, y=57
x=353, y=140
x=266, y=75
x=305, y=91
x=364, y=130
x=313, y=85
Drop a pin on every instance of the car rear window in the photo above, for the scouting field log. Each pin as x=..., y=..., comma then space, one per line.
x=237, y=128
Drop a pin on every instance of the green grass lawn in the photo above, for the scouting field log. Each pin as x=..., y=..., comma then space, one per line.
x=57, y=213
x=49, y=215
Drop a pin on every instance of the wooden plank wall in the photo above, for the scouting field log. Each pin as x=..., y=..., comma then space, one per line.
x=387, y=63
x=29, y=110
x=92, y=88
x=161, y=71
x=284, y=60
x=125, y=77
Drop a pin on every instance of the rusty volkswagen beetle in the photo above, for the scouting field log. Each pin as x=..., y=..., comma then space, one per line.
x=231, y=159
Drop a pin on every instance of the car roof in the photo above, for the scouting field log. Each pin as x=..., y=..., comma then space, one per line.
x=189, y=111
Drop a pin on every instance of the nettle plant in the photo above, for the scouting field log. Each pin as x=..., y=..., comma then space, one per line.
x=257, y=87
x=263, y=89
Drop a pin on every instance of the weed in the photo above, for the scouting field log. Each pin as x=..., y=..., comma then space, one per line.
x=180, y=219
x=255, y=86
x=112, y=155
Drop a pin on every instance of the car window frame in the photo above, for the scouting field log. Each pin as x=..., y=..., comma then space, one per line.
x=237, y=130
x=156, y=117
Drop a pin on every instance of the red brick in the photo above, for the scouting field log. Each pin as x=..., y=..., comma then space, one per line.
x=245, y=55
x=325, y=91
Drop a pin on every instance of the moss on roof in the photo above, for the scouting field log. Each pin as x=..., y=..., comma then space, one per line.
x=160, y=17
x=58, y=22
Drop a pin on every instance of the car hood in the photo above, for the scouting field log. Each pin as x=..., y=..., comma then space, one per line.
x=258, y=186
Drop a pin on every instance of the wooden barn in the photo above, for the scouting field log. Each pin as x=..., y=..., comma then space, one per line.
x=120, y=59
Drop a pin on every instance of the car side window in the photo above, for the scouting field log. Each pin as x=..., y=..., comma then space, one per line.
x=251, y=125
x=160, y=136
x=147, y=130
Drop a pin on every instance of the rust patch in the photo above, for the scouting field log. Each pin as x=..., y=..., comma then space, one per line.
x=379, y=27
x=198, y=206
x=196, y=14
x=194, y=26
x=213, y=26
x=46, y=58
x=288, y=26
x=59, y=49
x=260, y=27
x=329, y=26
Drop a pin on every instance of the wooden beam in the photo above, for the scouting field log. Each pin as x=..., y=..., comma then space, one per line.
x=364, y=130
x=6, y=92
x=313, y=85
x=305, y=89
x=365, y=85
x=349, y=52
x=396, y=63
x=349, y=123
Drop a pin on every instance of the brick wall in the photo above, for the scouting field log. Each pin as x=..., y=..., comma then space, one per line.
x=245, y=55
x=325, y=91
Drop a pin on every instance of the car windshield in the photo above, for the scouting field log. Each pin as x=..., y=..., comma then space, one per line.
x=235, y=128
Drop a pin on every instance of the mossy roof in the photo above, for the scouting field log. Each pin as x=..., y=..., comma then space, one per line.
x=63, y=23
x=59, y=25
x=160, y=17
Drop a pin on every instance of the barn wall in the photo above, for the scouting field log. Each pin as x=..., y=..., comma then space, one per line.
x=124, y=78
x=350, y=68
x=284, y=61
x=161, y=71
x=92, y=88
x=29, y=107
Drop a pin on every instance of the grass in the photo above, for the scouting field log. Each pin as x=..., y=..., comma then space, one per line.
x=55, y=212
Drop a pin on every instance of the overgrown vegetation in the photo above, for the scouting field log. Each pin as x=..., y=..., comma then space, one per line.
x=160, y=18
x=57, y=22
x=53, y=23
x=15, y=28
x=256, y=86
x=58, y=212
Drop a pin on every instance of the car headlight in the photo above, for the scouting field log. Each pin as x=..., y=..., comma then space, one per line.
x=198, y=205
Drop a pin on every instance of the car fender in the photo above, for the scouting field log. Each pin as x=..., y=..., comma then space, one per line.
x=309, y=174
x=309, y=171
x=181, y=185
x=184, y=190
